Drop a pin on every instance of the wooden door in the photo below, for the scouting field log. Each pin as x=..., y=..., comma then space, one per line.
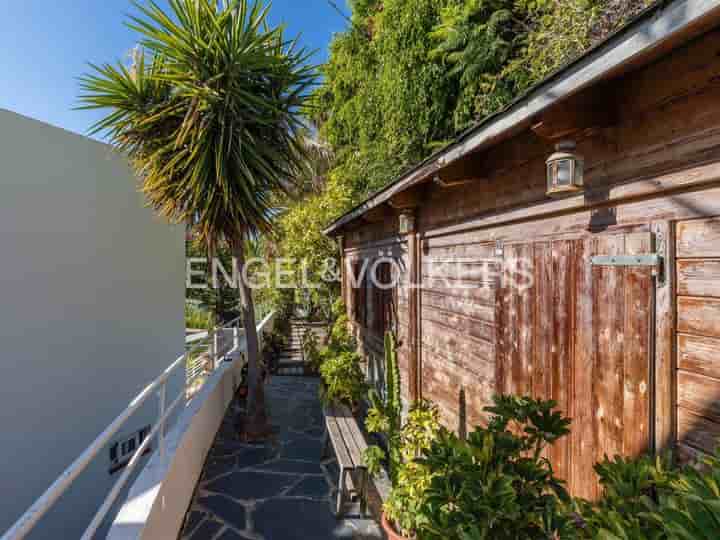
x=581, y=335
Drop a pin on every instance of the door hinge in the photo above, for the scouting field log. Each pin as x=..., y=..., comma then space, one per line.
x=643, y=259
x=653, y=260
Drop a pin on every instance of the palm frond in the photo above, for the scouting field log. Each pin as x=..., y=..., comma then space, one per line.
x=210, y=115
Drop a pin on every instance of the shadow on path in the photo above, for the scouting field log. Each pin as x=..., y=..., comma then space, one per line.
x=279, y=490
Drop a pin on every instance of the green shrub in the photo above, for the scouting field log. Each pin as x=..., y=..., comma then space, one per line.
x=692, y=509
x=343, y=380
x=197, y=318
x=340, y=338
x=646, y=499
x=496, y=484
x=311, y=351
x=405, y=442
x=411, y=479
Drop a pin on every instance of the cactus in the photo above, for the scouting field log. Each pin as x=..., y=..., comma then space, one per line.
x=385, y=416
x=393, y=399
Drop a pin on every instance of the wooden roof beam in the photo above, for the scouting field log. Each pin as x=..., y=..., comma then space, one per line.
x=579, y=115
x=461, y=172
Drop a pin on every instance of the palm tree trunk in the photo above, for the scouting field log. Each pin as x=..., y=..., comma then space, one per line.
x=255, y=425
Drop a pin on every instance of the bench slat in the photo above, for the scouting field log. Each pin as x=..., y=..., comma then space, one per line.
x=341, y=451
x=353, y=437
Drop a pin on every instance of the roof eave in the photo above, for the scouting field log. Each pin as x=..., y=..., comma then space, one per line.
x=655, y=26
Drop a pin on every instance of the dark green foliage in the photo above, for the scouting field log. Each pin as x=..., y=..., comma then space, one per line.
x=495, y=484
x=646, y=499
x=631, y=492
x=209, y=113
x=477, y=40
x=692, y=511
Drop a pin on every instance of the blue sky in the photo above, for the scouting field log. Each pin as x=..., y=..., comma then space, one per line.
x=46, y=44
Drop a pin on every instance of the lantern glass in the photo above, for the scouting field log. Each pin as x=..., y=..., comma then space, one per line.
x=551, y=176
x=579, y=172
x=564, y=176
x=564, y=170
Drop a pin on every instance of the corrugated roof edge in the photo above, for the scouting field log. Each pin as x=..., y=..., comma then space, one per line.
x=693, y=12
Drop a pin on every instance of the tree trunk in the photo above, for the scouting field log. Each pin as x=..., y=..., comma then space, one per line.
x=255, y=425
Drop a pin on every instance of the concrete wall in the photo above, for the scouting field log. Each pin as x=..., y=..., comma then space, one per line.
x=91, y=310
x=158, y=500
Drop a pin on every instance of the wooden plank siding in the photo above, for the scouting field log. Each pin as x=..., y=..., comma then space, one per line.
x=459, y=288
x=581, y=335
x=633, y=359
x=698, y=338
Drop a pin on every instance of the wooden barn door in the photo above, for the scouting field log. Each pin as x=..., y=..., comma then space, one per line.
x=578, y=331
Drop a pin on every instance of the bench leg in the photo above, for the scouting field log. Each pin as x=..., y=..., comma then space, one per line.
x=341, y=492
x=325, y=442
x=363, y=492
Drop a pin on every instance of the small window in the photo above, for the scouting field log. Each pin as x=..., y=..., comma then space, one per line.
x=360, y=294
x=384, y=298
x=122, y=451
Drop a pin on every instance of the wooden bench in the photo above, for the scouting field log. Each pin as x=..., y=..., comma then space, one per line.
x=341, y=429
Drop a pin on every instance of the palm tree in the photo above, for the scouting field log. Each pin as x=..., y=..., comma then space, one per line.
x=210, y=115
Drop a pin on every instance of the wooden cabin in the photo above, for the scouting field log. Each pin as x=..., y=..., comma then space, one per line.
x=600, y=291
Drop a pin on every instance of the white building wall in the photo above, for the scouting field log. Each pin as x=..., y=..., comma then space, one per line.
x=91, y=310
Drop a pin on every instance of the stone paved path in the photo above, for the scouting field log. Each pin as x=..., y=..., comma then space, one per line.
x=279, y=490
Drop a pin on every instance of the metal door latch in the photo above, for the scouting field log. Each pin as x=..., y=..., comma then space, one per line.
x=648, y=259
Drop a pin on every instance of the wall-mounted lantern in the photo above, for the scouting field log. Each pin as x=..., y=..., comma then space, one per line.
x=406, y=221
x=564, y=170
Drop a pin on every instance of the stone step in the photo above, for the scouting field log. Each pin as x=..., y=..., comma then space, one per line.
x=291, y=371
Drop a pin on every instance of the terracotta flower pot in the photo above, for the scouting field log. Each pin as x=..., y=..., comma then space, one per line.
x=390, y=530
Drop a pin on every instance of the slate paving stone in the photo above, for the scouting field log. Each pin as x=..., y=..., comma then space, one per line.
x=302, y=448
x=310, y=520
x=192, y=520
x=316, y=432
x=228, y=511
x=282, y=479
x=292, y=467
x=227, y=448
x=217, y=466
x=250, y=457
x=229, y=534
x=313, y=487
x=251, y=485
x=206, y=530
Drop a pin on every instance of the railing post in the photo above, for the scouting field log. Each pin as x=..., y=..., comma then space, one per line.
x=161, y=421
x=213, y=348
x=236, y=336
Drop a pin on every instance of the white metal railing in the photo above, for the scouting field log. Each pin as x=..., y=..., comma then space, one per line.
x=216, y=352
x=219, y=342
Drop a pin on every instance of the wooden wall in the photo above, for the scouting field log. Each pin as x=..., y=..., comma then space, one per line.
x=367, y=247
x=666, y=119
x=458, y=327
x=607, y=344
x=579, y=334
x=698, y=334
